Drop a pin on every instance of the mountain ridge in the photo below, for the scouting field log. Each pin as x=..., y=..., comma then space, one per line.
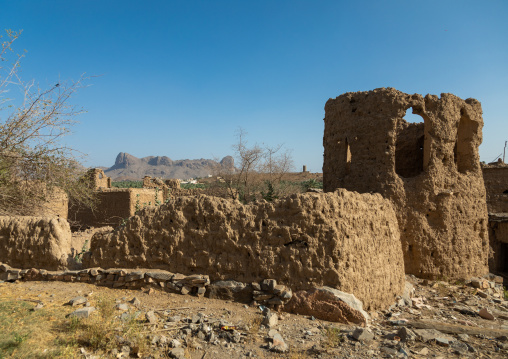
x=129, y=167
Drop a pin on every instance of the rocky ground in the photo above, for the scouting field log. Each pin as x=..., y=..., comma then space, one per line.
x=438, y=319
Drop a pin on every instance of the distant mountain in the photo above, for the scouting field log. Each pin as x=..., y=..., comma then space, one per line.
x=128, y=167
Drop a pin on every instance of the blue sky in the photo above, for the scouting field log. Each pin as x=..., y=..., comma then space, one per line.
x=177, y=78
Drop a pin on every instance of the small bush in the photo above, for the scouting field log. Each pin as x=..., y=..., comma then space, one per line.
x=333, y=337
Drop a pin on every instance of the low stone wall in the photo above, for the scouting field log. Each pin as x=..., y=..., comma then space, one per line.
x=344, y=240
x=27, y=242
x=266, y=292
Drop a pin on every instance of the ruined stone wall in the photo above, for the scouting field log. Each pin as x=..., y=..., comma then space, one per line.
x=431, y=172
x=345, y=240
x=27, y=242
x=496, y=184
x=113, y=206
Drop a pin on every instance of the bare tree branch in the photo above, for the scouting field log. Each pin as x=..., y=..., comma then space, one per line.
x=32, y=161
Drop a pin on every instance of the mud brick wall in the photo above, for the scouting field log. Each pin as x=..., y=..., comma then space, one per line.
x=114, y=205
x=498, y=235
x=429, y=170
x=345, y=240
x=496, y=183
x=98, y=178
x=55, y=205
x=27, y=242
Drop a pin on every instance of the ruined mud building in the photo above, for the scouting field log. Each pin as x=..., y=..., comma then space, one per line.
x=166, y=187
x=430, y=171
x=113, y=204
x=427, y=173
x=421, y=209
x=117, y=204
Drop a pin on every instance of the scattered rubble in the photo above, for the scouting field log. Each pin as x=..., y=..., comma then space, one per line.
x=82, y=313
x=435, y=319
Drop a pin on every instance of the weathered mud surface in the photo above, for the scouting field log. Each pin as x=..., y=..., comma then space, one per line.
x=496, y=183
x=27, y=242
x=430, y=171
x=344, y=240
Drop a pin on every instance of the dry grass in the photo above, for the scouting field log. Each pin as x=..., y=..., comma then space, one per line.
x=255, y=324
x=25, y=333
x=294, y=354
x=97, y=331
x=102, y=331
x=442, y=289
x=47, y=333
x=333, y=337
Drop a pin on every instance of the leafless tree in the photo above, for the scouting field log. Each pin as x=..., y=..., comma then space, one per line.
x=245, y=180
x=33, y=160
x=277, y=162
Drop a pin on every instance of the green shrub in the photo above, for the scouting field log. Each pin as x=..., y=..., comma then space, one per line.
x=127, y=184
x=192, y=185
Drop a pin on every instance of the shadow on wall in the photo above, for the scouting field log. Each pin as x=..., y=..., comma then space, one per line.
x=429, y=169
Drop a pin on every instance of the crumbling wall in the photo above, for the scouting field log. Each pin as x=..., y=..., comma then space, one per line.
x=153, y=182
x=169, y=187
x=495, y=176
x=431, y=172
x=173, y=184
x=27, y=242
x=345, y=240
x=114, y=205
x=498, y=235
x=55, y=205
x=98, y=178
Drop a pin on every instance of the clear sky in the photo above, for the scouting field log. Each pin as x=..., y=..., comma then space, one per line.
x=179, y=77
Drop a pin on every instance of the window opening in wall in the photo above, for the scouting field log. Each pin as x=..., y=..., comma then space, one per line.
x=464, y=150
x=505, y=192
x=100, y=175
x=411, y=117
x=410, y=145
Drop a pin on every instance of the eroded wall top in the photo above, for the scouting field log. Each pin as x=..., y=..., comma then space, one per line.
x=99, y=178
x=429, y=169
x=346, y=240
x=367, y=137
